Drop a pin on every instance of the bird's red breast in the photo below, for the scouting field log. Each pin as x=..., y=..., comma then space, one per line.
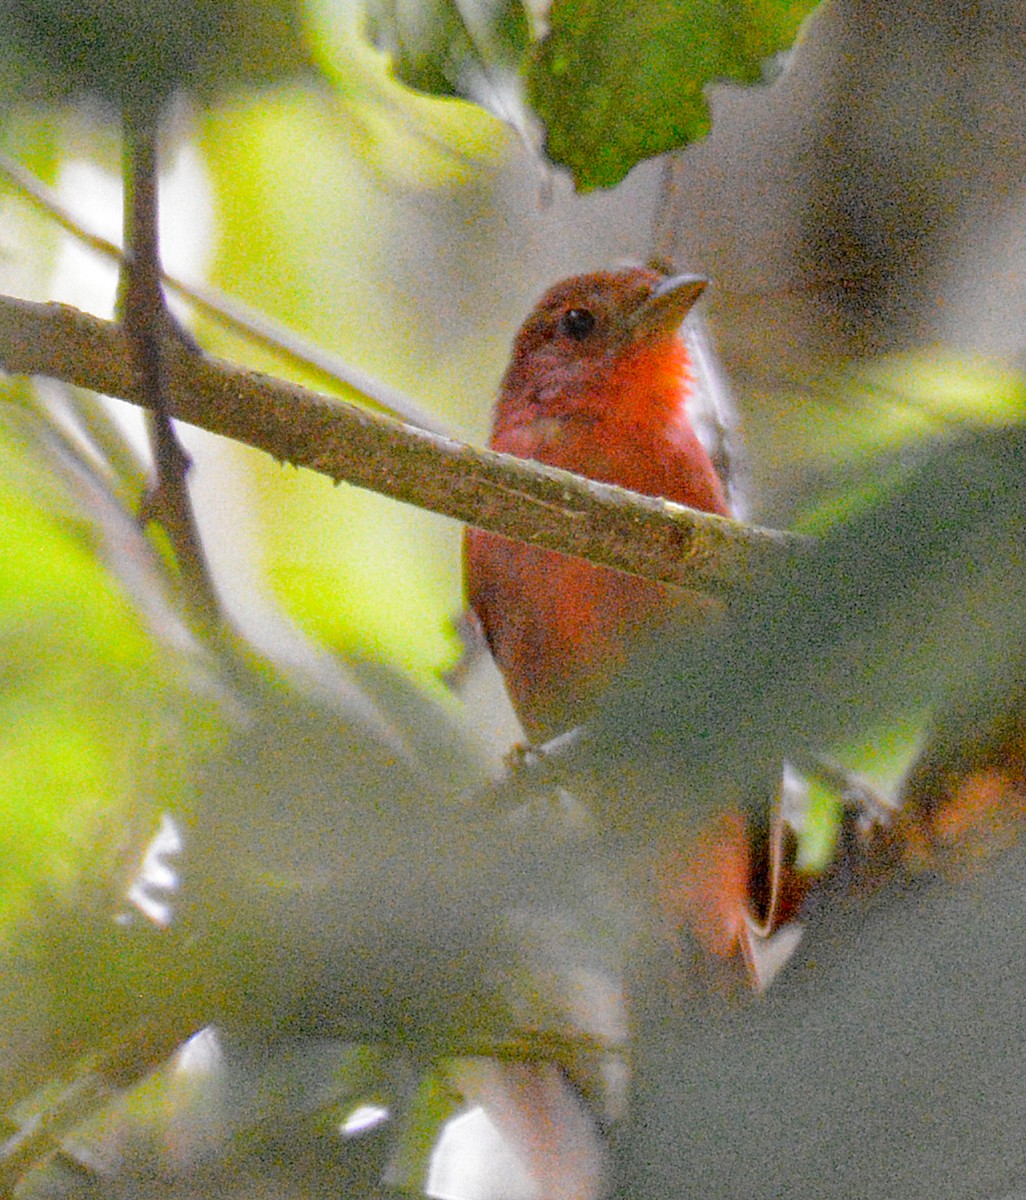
x=597, y=384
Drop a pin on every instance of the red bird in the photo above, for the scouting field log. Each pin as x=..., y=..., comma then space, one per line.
x=597, y=384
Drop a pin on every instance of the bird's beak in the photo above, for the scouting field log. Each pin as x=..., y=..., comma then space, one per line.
x=667, y=305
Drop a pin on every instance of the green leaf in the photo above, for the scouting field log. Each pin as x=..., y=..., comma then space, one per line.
x=817, y=841
x=618, y=83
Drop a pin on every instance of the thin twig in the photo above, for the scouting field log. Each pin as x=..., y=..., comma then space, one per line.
x=40, y=1137
x=553, y=508
x=90, y=1084
x=143, y=313
x=232, y=314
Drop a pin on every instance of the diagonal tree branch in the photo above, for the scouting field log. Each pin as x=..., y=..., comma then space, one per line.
x=549, y=507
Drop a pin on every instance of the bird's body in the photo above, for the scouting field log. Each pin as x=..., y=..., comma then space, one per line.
x=597, y=384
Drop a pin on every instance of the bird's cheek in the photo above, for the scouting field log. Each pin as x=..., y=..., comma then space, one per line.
x=549, y=430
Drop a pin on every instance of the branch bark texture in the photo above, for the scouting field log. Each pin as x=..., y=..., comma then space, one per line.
x=532, y=503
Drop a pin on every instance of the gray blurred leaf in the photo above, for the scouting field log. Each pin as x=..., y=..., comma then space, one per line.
x=886, y=1062
x=132, y=52
x=914, y=597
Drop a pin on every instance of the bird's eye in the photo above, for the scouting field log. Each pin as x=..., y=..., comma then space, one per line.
x=577, y=323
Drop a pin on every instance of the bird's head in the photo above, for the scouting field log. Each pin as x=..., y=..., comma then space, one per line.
x=606, y=341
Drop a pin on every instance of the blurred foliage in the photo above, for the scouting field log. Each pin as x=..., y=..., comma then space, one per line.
x=883, y=410
x=108, y=705
x=461, y=49
x=339, y=881
x=188, y=836
x=303, y=240
x=910, y=600
x=70, y=631
x=411, y=138
x=612, y=84
x=136, y=54
x=874, y=1062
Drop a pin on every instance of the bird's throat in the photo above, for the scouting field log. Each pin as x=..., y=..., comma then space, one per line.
x=649, y=382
